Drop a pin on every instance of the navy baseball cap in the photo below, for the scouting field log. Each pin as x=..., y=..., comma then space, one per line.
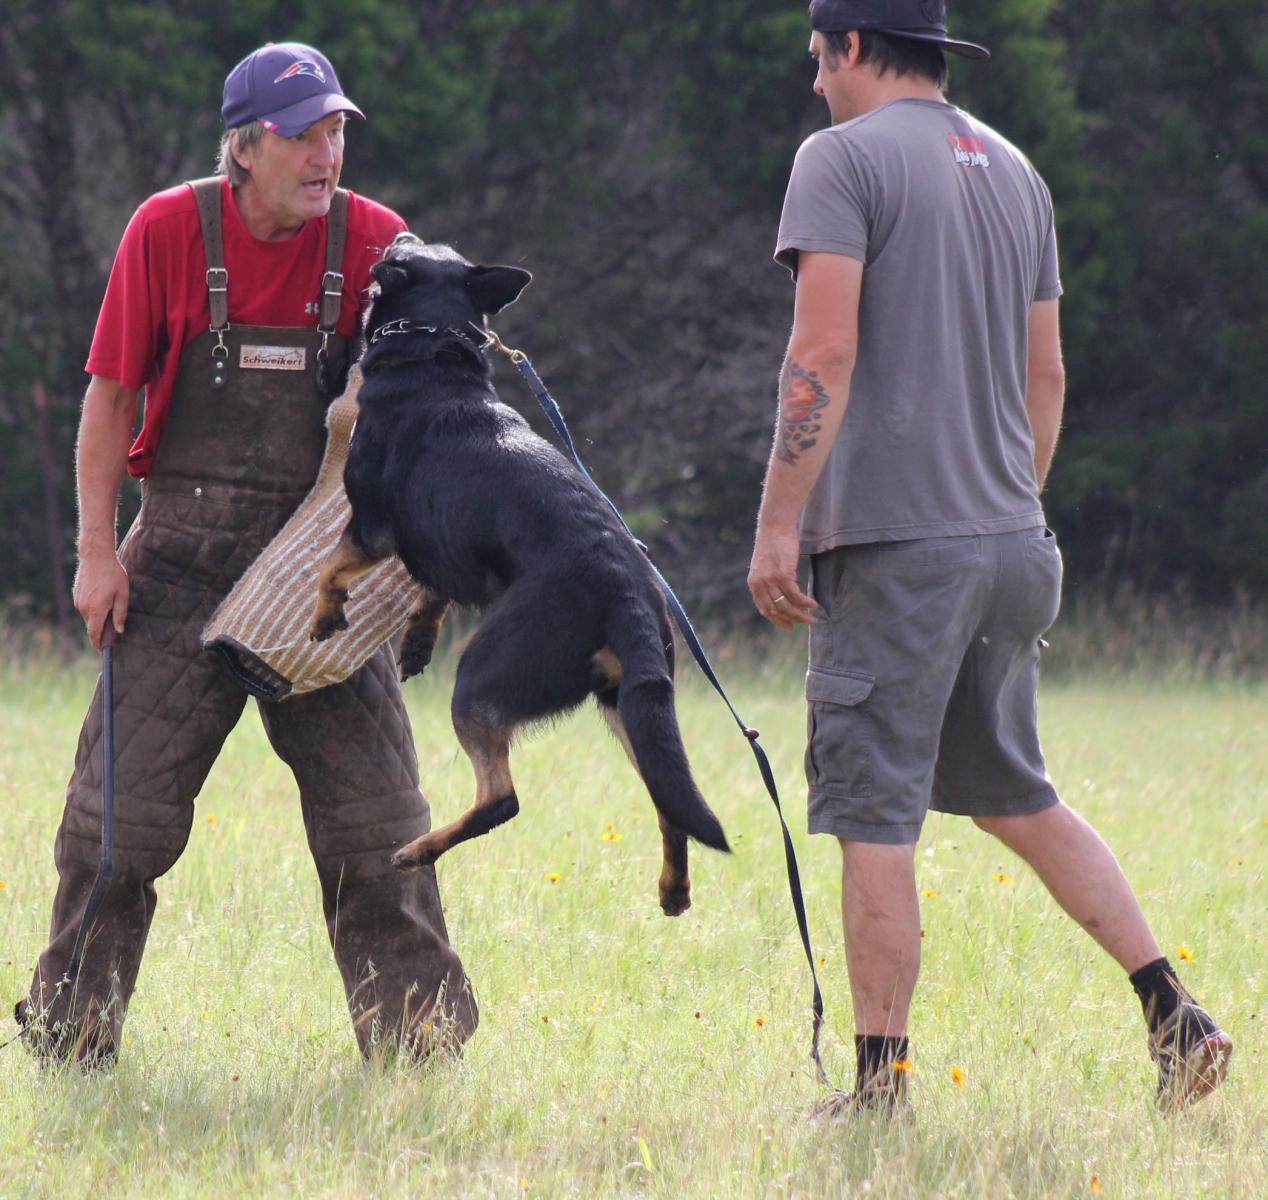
x=919, y=20
x=286, y=86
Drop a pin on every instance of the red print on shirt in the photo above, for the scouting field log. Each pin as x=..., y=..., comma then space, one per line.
x=969, y=151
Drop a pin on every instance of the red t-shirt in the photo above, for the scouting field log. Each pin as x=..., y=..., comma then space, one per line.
x=156, y=300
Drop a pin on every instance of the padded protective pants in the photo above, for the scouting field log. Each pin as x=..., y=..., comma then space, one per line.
x=352, y=755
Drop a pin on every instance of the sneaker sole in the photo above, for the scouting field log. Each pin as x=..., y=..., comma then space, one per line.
x=1203, y=1069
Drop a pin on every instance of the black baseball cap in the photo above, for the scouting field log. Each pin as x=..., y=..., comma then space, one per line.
x=919, y=20
x=287, y=87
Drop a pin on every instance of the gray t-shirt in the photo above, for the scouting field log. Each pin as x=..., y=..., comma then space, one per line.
x=955, y=231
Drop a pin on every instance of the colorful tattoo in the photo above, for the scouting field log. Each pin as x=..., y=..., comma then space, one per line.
x=802, y=399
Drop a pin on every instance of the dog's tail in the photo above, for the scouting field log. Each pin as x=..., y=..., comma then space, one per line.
x=645, y=702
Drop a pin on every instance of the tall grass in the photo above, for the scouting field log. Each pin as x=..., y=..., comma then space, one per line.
x=624, y=1054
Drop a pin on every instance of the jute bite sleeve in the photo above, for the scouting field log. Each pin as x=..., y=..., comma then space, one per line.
x=260, y=630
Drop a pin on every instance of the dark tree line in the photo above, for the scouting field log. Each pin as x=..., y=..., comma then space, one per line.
x=633, y=155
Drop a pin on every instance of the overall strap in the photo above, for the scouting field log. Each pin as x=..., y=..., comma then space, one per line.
x=332, y=281
x=207, y=194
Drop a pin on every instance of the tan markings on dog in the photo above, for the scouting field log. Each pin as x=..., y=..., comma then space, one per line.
x=675, y=881
x=422, y=632
x=617, y=726
x=607, y=662
x=489, y=749
x=345, y=563
x=430, y=610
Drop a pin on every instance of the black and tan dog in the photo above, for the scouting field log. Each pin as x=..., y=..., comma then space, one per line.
x=483, y=512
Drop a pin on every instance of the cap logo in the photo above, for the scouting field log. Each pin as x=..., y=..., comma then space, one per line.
x=303, y=67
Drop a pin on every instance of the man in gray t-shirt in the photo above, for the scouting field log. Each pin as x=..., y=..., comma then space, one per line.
x=919, y=405
x=937, y=398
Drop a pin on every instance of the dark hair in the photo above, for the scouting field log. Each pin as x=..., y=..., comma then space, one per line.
x=903, y=56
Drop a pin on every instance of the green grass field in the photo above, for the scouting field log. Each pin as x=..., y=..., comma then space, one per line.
x=624, y=1054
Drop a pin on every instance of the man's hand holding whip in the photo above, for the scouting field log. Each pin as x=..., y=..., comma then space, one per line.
x=101, y=583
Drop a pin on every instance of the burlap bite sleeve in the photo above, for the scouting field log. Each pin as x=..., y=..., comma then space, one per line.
x=261, y=630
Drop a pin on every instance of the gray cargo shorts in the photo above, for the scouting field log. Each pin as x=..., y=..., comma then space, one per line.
x=922, y=682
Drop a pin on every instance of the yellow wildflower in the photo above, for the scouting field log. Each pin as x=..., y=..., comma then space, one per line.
x=902, y=1064
x=1000, y=877
x=1095, y=1184
x=1186, y=955
x=759, y=1022
x=957, y=1076
x=553, y=876
x=929, y=892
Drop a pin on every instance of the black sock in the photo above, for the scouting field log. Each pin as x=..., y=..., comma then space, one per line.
x=875, y=1057
x=1160, y=991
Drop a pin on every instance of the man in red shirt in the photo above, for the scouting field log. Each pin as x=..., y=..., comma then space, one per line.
x=231, y=303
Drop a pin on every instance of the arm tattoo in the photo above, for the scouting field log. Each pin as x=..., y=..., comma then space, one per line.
x=802, y=399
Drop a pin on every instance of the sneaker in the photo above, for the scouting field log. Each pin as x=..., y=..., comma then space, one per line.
x=1192, y=1054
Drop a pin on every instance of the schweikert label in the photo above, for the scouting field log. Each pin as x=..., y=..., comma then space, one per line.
x=273, y=358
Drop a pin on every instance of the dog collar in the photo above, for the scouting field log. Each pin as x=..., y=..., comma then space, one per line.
x=404, y=325
x=449, y=339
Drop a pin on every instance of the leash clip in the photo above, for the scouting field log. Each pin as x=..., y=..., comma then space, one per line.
x=493, y=342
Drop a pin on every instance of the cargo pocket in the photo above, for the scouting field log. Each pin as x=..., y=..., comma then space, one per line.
x=1044, y=578
x=839, y=737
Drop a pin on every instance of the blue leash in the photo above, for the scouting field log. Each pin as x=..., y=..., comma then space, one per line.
x=556, y=417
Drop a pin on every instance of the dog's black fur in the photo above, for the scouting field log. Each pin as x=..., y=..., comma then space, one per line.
x=484, y=512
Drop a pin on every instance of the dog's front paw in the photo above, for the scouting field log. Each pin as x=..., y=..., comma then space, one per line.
x=417, y=854
x=415, y=656
x=327, y=626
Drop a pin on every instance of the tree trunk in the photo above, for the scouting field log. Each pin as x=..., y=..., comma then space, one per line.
x=52, y=513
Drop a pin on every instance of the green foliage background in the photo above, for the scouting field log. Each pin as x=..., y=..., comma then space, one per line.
x=633, y=155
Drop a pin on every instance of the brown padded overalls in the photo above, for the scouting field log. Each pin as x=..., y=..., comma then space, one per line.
x=234, y=463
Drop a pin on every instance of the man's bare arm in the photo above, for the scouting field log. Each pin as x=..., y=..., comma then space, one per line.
x=101, y=457
x=814, y=389
x=1045, y=383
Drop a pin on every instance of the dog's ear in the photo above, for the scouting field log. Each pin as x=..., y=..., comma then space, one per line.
x=389, y=277
x=493, y=288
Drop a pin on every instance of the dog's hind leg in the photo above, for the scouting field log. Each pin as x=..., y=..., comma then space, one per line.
x=675, y=883
x=421, y=633
x=489, y=748
x=526, y=663
x=675, y=880
x=347, y=560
